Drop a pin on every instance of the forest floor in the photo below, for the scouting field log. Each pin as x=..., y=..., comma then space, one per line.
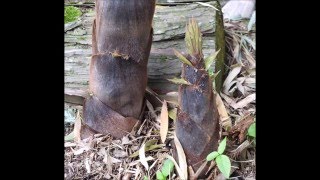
x=102, y=157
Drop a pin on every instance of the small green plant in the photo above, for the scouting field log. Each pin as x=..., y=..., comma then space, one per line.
x=223, y=161
x=252, y=132
x=166, y=169
x=71, y=13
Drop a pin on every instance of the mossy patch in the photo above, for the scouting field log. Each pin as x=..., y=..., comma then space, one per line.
x=71, y=13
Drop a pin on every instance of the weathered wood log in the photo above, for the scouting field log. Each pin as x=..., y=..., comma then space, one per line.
x=169, y=22
x=158, y=1
x=162, y=64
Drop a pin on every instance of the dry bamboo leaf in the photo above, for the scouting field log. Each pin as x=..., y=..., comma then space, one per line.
x=80, y=151
x=77, y=128
x=191, y=173
x=240, y=148
x=181, y=174
x=250, y=82
x=250, y=41
x=182, y=158
x=115, y=160
x=107, y=161
x=228, y=88
x=69, y=144
x=154, y=163
x=236, y=53
x=154, y=94
x=125, y=140
x=208, y=5
x=244, y=102
x=151, y=109
x=142, y=157
x=250, y=58
x=240, y=86
x=148, y=148
x=224, y=117
x=232, y=74
x=133, y=163
x=203, y=165
x=164, y=121
x=87, y=165
x=227, y=99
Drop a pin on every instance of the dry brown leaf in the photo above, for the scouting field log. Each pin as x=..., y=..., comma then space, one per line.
x=241, y=127
x=142, y=157
x=229, y=80
x=125, y=140
x=240, y=148
x=182, y=158
x=115, y=160
x=250, y=82
x=241, y=88
x=164, y=121
x=203, y=165
x=227, y=99
x=191, y=173
x=77, y=128
x=224, y=117
x=250, y=58
x=107, y=160
x=151, y=109
x=87, y=165
x=80, y=151
x=69, y=144
x=133, y=163
x=244, y=102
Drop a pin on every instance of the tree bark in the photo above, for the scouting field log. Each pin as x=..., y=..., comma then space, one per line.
x=121, y=43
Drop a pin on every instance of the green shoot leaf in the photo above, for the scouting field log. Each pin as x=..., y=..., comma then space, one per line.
x=193, y=38
x=160, y=176
x=145, y=178
x=182, y=58
x=212, y=155
x=179, y=81
x=167, y=167
x=252, y=130
x=214, y=75
x=173, y=114
x=208, y=61
x=222, y=145
x=224, y=165
x=69, y=137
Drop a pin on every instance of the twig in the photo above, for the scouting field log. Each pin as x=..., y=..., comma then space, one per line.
x=252, y=160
